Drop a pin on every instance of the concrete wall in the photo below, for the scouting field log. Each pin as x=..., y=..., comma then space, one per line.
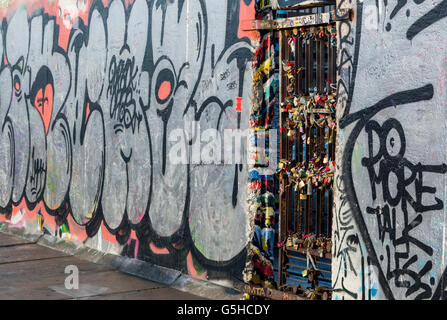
x=90, y=91
x=389, y=226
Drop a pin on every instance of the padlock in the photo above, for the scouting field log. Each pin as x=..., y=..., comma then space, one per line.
x=289, y=242
x=321, y=252
x=295, y=240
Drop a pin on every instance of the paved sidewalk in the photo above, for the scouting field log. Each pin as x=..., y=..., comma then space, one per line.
x=31, y=271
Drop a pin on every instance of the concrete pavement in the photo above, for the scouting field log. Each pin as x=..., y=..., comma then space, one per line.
x=31, y=271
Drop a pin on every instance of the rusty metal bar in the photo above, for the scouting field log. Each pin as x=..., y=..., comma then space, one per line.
x=297, y=51
x=332, y=66
x=282, y=203
x=289, y=155
x=309, y=193
x=318, y=192
x=322, y=192
x=308, y=70
x=311, y=63
x=299, y=64
x=319, y=65
x=302, y=21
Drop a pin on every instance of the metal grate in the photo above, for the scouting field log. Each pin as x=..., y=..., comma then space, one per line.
x=312, y=61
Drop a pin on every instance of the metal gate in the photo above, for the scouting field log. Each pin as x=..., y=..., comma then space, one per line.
x=307, y=150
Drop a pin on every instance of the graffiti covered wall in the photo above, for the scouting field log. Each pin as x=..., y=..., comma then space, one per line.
x=90, y=92
x=389, y=225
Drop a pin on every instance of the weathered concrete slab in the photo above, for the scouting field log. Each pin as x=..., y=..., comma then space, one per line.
x=84, y=291
x=38, y=270
x=205, y=289
x=154, y=294
x=7, y=240
x=27, y=252
x=30, y=271
x=23, y=292
x=146, y=270
x=111, y=282
x=45, y=279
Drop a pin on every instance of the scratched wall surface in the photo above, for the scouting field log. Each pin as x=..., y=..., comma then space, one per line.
x=90, y=91
x=389, y=226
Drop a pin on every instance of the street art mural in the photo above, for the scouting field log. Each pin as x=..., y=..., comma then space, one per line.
x=90, y=92
x=389, y=224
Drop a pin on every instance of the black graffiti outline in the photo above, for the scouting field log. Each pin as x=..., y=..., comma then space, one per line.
x=123, y=231
x=424, y=93
x=397, y=164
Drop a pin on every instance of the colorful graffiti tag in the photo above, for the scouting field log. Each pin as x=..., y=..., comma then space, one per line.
x=90, y=91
